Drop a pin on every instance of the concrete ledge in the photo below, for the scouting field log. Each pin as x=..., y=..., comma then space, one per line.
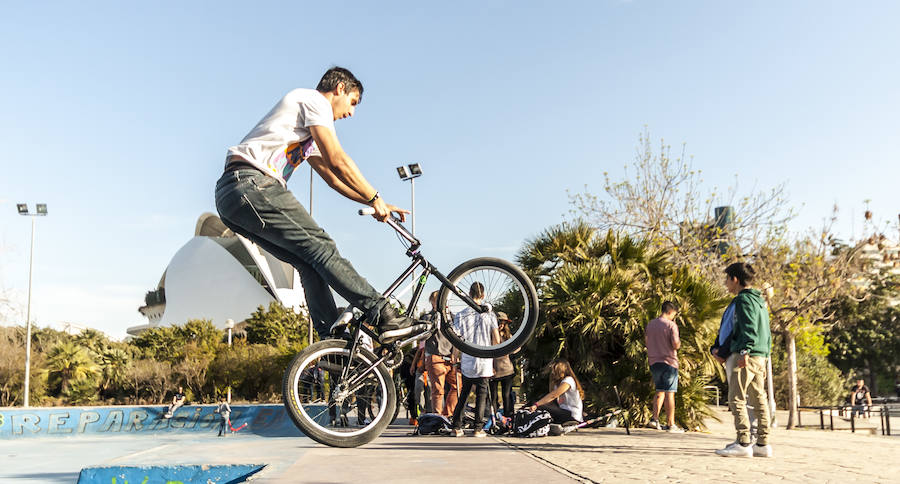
x=16, y=423
x=177, y=474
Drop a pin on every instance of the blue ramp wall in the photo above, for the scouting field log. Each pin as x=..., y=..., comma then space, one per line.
x=264, y=420
x=217, y=474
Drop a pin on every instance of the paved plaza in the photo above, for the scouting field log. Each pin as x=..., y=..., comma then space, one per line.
x=591, y=455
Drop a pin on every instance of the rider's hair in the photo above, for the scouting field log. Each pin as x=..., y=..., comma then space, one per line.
x=476, y=290
x=337, y=75
x=742, y=271
x=559, y=369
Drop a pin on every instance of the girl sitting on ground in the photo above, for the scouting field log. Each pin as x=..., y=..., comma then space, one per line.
x=564, y=400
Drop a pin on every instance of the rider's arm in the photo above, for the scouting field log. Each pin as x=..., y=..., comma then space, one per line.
x=338, y=164
x=333, y=181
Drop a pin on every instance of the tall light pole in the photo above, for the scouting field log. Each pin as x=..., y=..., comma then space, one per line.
x=229, y=323
x=310, y=214
x=41, y=209
x=411, y=172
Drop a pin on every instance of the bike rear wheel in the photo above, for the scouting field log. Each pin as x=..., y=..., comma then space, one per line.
x=506, y=289
x=335, y=411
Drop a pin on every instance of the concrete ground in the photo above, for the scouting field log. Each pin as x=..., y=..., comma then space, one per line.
x=593, y=455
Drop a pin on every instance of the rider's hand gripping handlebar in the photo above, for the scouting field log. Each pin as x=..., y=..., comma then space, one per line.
x=394, y=222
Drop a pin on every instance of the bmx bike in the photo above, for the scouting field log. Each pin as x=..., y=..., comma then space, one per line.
x=358, y=379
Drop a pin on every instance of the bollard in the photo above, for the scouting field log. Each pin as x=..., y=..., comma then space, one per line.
x=822, y=418
x=888, y=419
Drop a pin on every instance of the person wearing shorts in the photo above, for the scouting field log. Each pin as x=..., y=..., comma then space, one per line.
x=662, y=352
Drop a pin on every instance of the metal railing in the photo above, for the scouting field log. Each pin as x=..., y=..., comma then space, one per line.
x=885, y=413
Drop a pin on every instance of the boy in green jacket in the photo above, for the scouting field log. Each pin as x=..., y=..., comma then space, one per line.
x=751, y=341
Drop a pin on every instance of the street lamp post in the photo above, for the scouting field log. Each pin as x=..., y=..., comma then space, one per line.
x=41, y=209
x=229, y=323
x=411, y=172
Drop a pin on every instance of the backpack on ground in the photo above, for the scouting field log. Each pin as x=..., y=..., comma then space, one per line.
x=531, y=424
x=432, y=424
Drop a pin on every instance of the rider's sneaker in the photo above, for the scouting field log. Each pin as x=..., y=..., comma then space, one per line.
x=654, y=424
x=457, y=433
x=674, y=429
x=392, y=326
x=479, y=433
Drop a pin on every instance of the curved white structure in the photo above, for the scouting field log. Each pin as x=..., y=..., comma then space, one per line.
x=218, y=275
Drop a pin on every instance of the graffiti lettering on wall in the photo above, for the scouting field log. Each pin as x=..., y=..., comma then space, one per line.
x=18, y=423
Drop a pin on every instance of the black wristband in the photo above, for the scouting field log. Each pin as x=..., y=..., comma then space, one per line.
x=374, y=197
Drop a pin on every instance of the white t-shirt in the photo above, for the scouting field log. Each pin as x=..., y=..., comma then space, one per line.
x=571, y=400
x=281, y=140
x=474, y=327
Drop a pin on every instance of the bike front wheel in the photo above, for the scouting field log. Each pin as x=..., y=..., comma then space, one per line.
x=506, y=289
x=334, y=410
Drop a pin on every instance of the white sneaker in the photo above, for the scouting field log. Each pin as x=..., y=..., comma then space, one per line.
x=654, y=424
x=762, y=450
x=735, y=449
x=457, y=433
x=675, y=430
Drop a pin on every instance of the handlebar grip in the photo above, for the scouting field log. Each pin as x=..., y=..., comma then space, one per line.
x=367, y=211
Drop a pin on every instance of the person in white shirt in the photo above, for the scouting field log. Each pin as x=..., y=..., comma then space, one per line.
x=480, y=329
x=253, y=200
x=564, y=402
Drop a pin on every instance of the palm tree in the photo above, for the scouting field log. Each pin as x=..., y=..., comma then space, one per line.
x=69, y=362
x=113, y=363
x=597, y=294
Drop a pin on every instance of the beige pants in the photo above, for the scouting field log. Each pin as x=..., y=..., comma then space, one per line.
x=748, y=383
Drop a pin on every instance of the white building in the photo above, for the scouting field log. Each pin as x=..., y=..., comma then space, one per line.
x=218, y=275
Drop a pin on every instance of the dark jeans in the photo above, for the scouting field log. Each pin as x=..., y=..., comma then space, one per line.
x=258, y=207
x=505, y=384
x=481, y=391
x=223, y=425
x=559, y=414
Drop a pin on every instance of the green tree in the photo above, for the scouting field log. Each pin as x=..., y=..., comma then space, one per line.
x=866, y=336
x=277, y=326
x=68, y=362
x=113, y=363
x=161, y=343
x=92, y=339
x=801, y=280
x=597, y=294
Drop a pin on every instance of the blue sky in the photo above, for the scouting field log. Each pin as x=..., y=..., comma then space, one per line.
x=118, y=114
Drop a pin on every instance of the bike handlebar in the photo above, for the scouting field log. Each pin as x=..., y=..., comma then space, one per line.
x=394, y=222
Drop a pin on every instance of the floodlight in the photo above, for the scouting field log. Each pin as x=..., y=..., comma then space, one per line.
x=42, y=209
x=401, y=170
x=415, y=169
x=22, y=208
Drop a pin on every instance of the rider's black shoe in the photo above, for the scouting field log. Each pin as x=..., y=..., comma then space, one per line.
x=392, y=326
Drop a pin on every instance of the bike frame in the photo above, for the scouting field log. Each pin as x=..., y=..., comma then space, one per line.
x=418, y=260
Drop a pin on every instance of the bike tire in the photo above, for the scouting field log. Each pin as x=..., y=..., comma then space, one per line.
x=308, y=424
x=525, y=309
